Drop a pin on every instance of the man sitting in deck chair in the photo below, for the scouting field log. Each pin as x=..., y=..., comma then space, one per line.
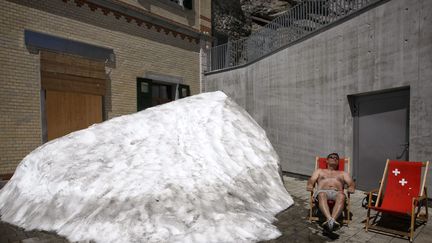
x=330, y=186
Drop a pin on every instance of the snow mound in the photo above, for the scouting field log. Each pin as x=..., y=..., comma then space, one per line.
x=199, y=169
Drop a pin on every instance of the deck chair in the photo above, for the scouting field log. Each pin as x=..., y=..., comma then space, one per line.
x=402, y=192
x=321, y=163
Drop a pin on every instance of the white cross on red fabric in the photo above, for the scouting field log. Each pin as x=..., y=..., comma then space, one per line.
x=396, y=172
x=403, y=182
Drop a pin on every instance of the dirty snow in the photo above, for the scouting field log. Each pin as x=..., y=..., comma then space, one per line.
x=199, y=169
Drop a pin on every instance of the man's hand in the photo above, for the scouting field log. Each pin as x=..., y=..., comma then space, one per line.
x=311, y=182
x=349, y=181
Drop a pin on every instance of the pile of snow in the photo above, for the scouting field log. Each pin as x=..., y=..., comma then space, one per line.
x=199, y=169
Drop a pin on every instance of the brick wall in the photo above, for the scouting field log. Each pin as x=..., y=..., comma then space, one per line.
x=170, y=10
x=137, y=49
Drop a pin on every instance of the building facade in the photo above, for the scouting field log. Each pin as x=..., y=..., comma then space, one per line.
x=67, y=64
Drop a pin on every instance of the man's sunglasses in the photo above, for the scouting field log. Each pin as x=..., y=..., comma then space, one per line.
x=333, y=157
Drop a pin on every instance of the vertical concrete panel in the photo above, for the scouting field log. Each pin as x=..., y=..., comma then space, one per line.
x=409, y=41
x=288, y=134
x=421, y=95
x=272, y=101
x=367, y=53
x=347, y=84
x=233, y=84
x=259, y=79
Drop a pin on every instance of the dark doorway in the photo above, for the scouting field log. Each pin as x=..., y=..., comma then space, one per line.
x=161, y=93
x=381, y=132
x=152, y=93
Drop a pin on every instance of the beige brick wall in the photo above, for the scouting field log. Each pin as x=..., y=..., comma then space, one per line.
x=137, y=51
x=205, y=16
x=170, y=10
x=205, y=8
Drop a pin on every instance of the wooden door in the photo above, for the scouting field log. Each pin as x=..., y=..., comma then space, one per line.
x=74, y=88
x=67, y=112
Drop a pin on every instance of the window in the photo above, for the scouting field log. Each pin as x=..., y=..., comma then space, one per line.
x=187, y=4
x=151, y=92
x=161, y=94
x=183, y=91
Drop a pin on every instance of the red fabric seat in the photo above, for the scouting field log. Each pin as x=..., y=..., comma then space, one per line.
x=403, y=184
x=322, y=164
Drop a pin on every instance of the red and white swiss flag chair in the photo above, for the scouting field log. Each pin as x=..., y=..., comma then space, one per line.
x=402, y=192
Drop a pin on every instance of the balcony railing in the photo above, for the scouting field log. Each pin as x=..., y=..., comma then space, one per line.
x=303, y=19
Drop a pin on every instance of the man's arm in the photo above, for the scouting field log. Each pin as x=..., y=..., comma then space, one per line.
x=312, y=180
x=350, y=182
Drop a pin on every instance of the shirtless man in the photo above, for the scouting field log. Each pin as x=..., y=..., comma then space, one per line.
x=330, y=185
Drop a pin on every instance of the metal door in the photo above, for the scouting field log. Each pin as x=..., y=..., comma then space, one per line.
x=381, y=132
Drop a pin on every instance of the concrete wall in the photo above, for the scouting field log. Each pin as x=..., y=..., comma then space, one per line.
x=299, y=95
x=138, y=51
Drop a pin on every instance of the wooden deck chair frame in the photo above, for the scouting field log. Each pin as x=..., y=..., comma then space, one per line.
x=347, y=211
x=417, y=203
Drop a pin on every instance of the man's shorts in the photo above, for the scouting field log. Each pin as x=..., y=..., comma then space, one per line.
x=331, y=194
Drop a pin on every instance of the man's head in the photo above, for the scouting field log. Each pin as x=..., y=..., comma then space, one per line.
x=333, y=161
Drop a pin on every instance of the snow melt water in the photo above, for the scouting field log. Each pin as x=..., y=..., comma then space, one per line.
x=199, y=169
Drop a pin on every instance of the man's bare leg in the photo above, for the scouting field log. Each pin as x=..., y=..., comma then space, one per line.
x=323, y=205
x=339, y=205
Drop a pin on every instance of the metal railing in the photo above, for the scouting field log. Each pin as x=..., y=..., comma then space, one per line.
x=304, y=18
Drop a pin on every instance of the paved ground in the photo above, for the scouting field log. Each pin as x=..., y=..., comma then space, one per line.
x=292, y=223
x=295, y=227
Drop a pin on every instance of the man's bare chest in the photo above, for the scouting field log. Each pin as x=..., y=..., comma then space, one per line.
x=331, y=175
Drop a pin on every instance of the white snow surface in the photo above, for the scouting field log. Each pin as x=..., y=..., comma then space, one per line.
x=199, y=169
